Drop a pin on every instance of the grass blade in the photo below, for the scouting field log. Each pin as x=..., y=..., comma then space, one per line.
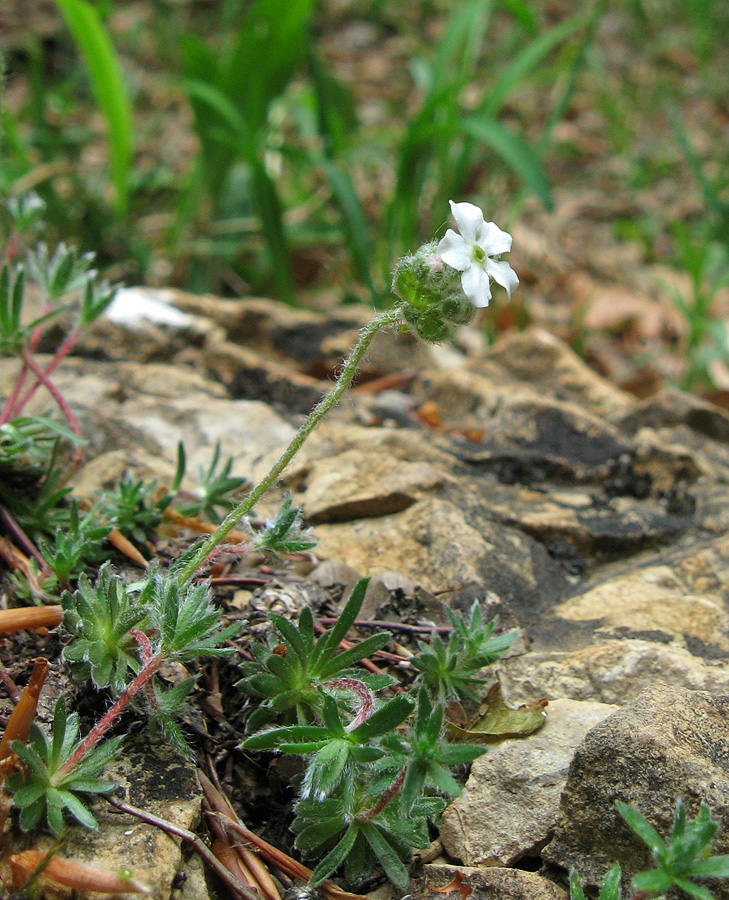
x=461, y=44
x=107, y=85
x=514, y=151
x=527, y=61
x=355, y=227
x=269, y=209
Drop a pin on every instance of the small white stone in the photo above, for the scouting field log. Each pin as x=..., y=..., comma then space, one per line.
x=132, y=307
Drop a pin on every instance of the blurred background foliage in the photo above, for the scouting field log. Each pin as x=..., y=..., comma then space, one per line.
x=297, y=149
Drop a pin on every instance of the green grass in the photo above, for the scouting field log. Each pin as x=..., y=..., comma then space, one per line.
x=253, y=167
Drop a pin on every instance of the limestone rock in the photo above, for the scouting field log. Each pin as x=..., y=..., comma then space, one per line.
x=146, y=409
x=141, y=325
x=360, y=487
x=585, y=520
x=192, y=880
x=519, y=782
x=316, y=343
x=667, y=743
x=251, y=375
x=556, y=439
x=438, y=546
x=485, y=883
x=610, y=671
x=670, y=408
x=248, y=431
x=678, y=596
x=541, y=360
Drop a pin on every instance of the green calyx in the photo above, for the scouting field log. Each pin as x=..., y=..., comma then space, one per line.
x=433, y=299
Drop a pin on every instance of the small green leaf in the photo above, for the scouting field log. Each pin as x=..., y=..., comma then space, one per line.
x=655, y=881
x=386, y=854
x=714, y=867
x=312, y=839
x=610, y=889
x=30, y=815
x=443, y=780
x=29, y=793
x=642, y=827
x=78, y=810
x=334, y=859
x=354, y=654
x=693, y=890
x=385, y=719
x=329, y=643
x=576, y=892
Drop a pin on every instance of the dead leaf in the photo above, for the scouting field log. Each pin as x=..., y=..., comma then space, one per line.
x=455, y=713
x=458, y=883
x=496, y=721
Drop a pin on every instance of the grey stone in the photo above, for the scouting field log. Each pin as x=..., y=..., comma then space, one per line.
x=510, y=804
x=667, y=743
x=540, y=360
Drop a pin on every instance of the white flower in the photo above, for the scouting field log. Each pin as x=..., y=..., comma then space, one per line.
x=472, y=253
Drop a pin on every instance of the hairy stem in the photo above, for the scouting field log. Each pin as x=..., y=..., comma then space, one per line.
x=112, y=714
x=385, y=798
x=349, y=369
x=362, y=693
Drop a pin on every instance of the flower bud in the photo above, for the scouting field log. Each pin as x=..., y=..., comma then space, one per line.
x=433, y=299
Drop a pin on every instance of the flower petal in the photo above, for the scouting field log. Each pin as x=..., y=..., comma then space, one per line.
x=493, y=240
x=469, y=219
x=475, y=284
x=454, y=251
x=503, y=274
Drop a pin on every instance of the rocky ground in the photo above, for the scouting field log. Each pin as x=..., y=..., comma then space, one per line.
x=515, y=476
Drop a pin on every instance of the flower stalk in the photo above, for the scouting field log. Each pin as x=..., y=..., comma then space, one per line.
x=385, y=320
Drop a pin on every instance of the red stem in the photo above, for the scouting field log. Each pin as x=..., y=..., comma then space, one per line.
x=13, y=247
x=385, y=798
x=22, y=538
x=12, y=401
x=111, y=715
x=363, y=694
x=38, y=330
x=61, y=353
x=141, y=638
x=12, y=409
x=395, y=626
x=52, y=390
